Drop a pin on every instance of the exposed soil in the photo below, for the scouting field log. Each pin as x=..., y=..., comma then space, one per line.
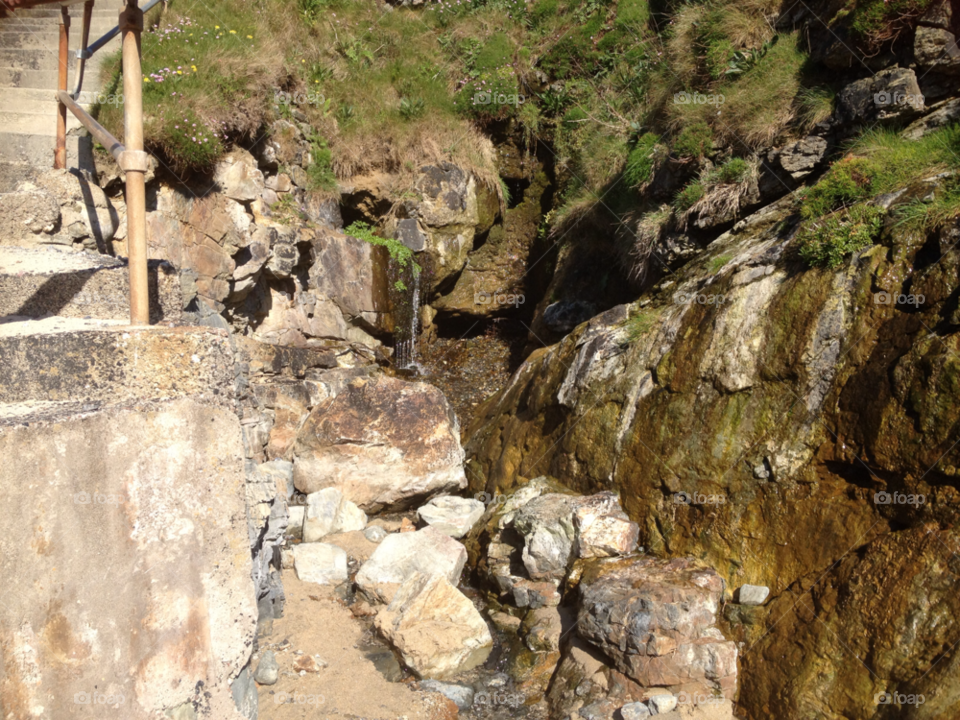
x=350, y=686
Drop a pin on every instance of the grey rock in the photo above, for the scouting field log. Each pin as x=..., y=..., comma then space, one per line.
x=454, y=516
x=409, y=233
x=320, y=563
x=268, y=671
x=375, y=533
x=400, y=555
x=802, y=157
x=940, y=115
x=635, y=711
x=936, y=50
x=890, y=95
x=238, y=177
x=281, y=473
x=660, y=704
x=283, y=260
x=295, y=515
x=245, y=695
x=753, y=594
x=462, y=695
x=329, y=512
x=564, y=315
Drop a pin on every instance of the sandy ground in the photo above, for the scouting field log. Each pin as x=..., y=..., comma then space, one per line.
x=349, y=686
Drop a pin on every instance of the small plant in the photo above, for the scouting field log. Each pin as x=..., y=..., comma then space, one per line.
x=411, y=108
x=923, y=216
x=827, y=241
x=847, y=182
x=399, y=252
x=814, y=105
x=718, y=262
x=695, y=140
x=641, y=161
x=688, y=197
x=638, y=324
x=733, y=170
x=320, y=173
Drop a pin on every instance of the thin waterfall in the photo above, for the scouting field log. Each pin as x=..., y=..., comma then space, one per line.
x=405, y=351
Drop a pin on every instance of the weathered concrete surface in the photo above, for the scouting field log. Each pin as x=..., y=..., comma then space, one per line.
x=113, y=364
x=130, y=559
x=40, y=281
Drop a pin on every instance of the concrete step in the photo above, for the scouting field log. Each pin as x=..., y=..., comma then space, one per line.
x=40, y=123
x=95, y=361
x=45, y=36
x=43, y=281
x=12, y=174
x=39, y=100
x=38, y=150
x=46, y=78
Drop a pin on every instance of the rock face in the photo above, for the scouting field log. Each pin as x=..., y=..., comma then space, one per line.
x=657, y=620
x=382, y=442
x=435, y=627
x=454, y=516
x=400, y=555
x=758, y=408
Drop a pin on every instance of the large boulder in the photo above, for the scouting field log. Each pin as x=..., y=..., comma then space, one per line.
x=400, y=555
x=435, y=627
x=889, y=95
x=382, y=442
x=656, y=619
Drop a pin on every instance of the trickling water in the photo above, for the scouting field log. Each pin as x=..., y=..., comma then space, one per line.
x=405, y=351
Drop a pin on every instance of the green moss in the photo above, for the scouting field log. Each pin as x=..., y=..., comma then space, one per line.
x=826, y=242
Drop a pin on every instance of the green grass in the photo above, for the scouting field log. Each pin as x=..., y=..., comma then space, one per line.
x=695, y=140
x=641, y=161
x=688, y=196
x=880, y=162
x=639, y=324
x=923, y=215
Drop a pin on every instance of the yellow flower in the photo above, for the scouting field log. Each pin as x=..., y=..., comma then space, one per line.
x=193, y=67
x=146, y=79
x=179, y=72
x=233, y=32
x=303, y=61
x=249, y=37
x=216, y=27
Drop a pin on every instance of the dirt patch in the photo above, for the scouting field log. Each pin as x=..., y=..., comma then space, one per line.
x=349, y=685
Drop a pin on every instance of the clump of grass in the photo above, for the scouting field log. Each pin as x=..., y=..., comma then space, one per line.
x=814, y=105
x=320, y=172
x=827, y=241
x=695, y=140
x=689, y=196
x=733, y=170
x=647, y=234
x=399, y=252
x=881, y=162
x=641, y=161
x=639, y=324
x=718, y=262
x=926, y=215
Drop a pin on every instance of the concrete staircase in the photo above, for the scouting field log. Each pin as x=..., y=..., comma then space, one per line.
x=29, y=42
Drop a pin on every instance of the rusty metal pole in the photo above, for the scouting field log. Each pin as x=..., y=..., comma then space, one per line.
x=133, y=162
x=60, y=153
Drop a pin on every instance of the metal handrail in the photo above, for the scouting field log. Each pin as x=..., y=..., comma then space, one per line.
x=86, y=51
x=102, y=135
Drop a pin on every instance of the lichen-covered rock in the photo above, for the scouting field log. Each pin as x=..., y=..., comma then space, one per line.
x=382, y=442
x=435, y=627
x=657, y=620
x=889, y=95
